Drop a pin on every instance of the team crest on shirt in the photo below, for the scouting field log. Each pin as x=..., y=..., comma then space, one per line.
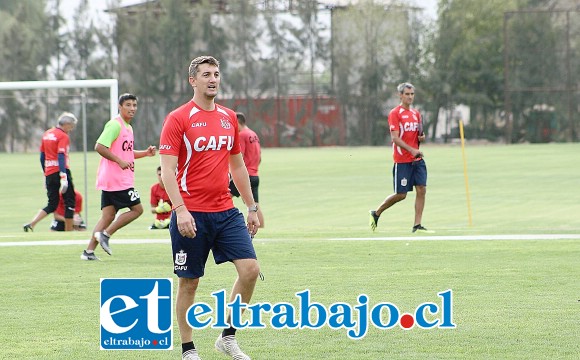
x=180, y=258
x=404, y=182
x=225, y=123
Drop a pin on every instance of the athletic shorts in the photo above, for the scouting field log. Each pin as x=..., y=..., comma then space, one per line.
x=120, y=199
x=407, y=175
x=224, y=233
x=254, y=184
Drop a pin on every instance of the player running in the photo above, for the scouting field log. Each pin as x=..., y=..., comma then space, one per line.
x=116, y=176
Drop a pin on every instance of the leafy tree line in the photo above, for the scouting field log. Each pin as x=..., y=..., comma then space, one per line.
x=280, y=48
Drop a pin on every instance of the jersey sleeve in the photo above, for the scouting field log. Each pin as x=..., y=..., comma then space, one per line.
x=171, y=136
x=393, y=120
x=110, y=133
x=62, y=145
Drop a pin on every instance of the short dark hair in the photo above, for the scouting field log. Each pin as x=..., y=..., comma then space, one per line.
x=125, y=97
x=204, y=59
x=241, y=118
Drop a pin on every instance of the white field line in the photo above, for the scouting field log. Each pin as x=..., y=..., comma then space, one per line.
x=82, y=242
x=395, y=238
x=468, y=237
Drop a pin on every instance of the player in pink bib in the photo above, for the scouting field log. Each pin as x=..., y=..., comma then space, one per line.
x=116, y=176
x=199, y=146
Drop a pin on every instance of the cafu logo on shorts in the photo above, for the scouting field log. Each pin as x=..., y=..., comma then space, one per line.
x=136, y=314
x=180, y=261
x=180, y=258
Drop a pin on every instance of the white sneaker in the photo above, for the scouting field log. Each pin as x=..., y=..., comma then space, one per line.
x=229, y=346
x=86, y=256
x=190, y=355
x=104, y=241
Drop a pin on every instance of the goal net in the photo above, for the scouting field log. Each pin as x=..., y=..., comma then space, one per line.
x=28, y=108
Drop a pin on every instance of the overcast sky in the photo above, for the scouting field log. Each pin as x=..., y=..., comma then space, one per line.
x=68, y=6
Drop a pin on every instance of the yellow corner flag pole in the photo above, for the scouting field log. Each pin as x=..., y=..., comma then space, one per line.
x=465, y=171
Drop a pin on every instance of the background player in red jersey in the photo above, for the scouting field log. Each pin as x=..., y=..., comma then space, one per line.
x=160, y=204
x=251, y=152
x=409, y=169
x=78, y=222
x=199, y=146
x=54, y=161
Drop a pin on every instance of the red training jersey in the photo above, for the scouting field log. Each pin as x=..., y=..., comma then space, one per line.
x=407, y=122
x=203, y=142
x=250, y=148
x=54, y=141
x=78, y=207
x=159, y=193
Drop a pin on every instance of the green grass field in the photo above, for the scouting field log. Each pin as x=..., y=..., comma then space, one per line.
x=513, y=299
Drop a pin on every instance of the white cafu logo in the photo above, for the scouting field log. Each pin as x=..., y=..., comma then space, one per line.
x=180, y=258
x=404, y=182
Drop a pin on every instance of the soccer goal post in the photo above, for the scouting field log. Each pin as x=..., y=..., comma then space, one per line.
x=113, y=86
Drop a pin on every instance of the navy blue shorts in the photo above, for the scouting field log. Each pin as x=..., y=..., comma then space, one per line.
x=224, y=233
x=407, y=175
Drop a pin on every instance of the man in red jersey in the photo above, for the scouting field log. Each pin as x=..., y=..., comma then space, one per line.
x=199, y=146
x=409, y=168
x=160, y=204
x=54, y=161
x=250, y=148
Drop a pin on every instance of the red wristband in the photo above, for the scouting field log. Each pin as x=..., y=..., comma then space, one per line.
x=175, y=207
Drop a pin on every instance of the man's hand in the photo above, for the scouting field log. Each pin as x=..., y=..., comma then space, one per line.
x=416, y=153
x=63, y=183
x=185, y=222
x=151, y=150
x=253, y=223
x=124, y=164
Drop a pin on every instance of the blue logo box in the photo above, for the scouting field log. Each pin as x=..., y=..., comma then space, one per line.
x=136, y=314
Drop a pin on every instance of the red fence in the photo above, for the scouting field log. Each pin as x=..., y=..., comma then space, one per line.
x=293, y=121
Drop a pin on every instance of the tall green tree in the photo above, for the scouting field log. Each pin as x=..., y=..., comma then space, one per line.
x=468, y=52
x=540, y=74
x=370, y=45
x=27, y=38
x=244, y=54
x=280, y=66
x=315, y=47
